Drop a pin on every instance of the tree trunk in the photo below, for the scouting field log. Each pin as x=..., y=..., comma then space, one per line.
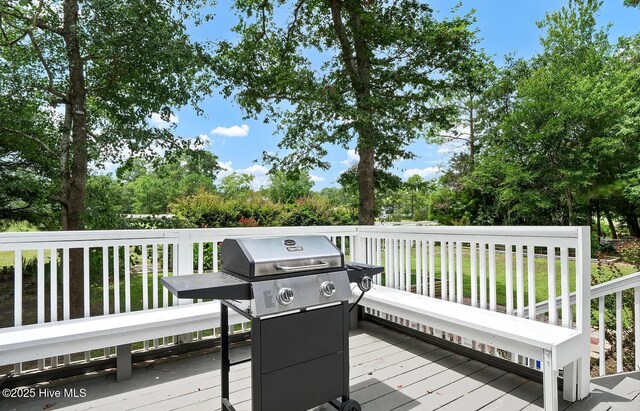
x=77, y=178
x=570, y=206
x=366, y=185
x=472, y=136
x=598, y=223
x=612, y=227
x=634, y=228
x=355, y=53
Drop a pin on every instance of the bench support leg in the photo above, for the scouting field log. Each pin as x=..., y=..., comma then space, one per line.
x=123, y=362
x=569, y=375
x=549, y=383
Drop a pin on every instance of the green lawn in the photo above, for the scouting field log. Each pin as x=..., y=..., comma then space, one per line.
x=540, y=277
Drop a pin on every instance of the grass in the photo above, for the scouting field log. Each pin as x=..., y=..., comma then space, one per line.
x=540, y=276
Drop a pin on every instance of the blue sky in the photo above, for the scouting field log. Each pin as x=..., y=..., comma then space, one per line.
x=505, y=26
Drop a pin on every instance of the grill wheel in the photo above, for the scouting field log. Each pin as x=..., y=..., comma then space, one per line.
x=350, y=405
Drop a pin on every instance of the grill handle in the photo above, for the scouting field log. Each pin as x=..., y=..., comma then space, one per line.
x=321, y=264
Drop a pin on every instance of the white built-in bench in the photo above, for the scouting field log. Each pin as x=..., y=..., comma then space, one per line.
x=555, y=346
x=37, y=341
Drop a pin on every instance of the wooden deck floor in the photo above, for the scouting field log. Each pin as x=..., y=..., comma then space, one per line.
x=389, y=371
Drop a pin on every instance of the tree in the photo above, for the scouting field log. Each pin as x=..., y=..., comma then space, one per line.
x=558, y=134
x=374, y=75
x=101, y=68
x=469, y=121
x=236, y=185
x=288, y=187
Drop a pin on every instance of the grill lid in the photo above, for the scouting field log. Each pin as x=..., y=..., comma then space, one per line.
x=257, y=257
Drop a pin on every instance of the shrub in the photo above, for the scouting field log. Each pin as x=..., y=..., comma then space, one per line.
x=630, y=252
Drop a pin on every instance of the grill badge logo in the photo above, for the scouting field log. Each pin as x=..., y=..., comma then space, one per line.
x=290, y=245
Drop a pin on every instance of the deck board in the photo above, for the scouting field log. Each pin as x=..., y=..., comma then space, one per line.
x=389, y=371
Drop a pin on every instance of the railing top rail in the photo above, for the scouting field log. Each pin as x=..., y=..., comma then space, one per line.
x=511, y=231
x=141, y=235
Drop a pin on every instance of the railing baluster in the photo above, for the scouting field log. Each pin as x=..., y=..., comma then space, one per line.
x=66, y=307
x=17, y=296
x=425, y=269
x=531, y=286
x=116, y=279
x=451, y=269
x=105, y=280
x=87, y=290
x=378, y=278
x=388, y=264
x=127, y=278
x=214, y=255
x=459, y=281
x=105, y=288
x=508, y=272
x=483, y=275
x=407, y=265
x=145, y=277
x=636, y=321
x=53, y=290
x=619, y=353
x=551, y=285
x=519, y=281
x=396, y=265
x=443, y=270
x=154, y=271
x=200, y=257
x=474, y=273
x=174, y=301
x=401, y=260
x=40, y=284
x=432, y=268
x=567, y=318
x=493, y=305
x=419, y=267
x=601, y=336
x=165, y=273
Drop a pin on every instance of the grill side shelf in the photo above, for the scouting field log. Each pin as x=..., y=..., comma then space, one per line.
x=215, y=286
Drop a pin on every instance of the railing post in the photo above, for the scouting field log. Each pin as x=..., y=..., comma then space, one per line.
x=185, y=253
x=583, y=307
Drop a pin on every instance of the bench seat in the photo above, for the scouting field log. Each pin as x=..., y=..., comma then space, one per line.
x=37, y=341
x=555, y=346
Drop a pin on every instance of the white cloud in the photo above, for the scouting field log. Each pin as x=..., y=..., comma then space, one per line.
x=352, y=158
x=233, y=131
x=426, y=173
x=157, y=121
x=316, y=179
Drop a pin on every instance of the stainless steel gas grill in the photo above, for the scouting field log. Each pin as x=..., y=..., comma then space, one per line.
x=295, y=291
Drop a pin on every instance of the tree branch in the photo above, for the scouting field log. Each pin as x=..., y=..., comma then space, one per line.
x=59, y=199
x=30, y=137
x=341, y=33
x=46, y=67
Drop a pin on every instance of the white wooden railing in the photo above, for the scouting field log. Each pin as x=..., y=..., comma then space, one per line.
x=440, y=255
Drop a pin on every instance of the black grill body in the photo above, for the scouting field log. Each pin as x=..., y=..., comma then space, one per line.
x=299, y=348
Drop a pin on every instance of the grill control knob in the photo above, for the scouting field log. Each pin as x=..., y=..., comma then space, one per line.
x=327, y=288
x=285, y=296
x=365, y=284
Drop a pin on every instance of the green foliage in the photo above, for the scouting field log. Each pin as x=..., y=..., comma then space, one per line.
x=210, y=210
x=630, y=252
x=151, y=188
x=104, y=205
x=236, y=185
x=289, y=187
